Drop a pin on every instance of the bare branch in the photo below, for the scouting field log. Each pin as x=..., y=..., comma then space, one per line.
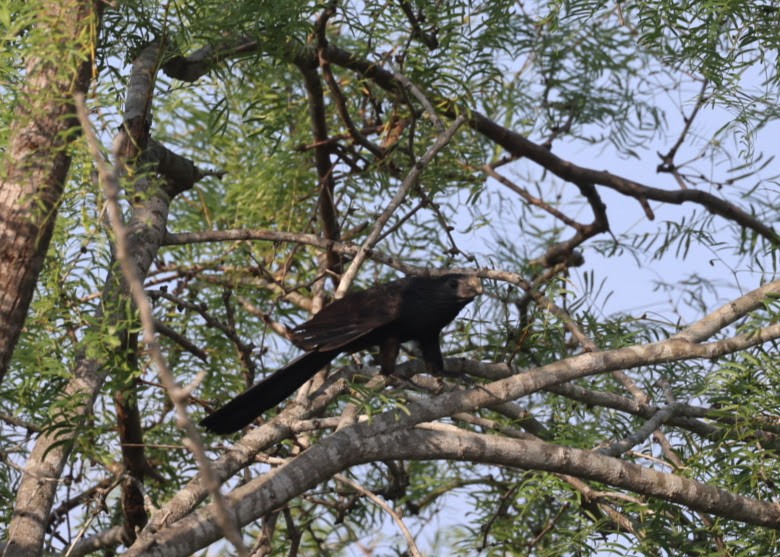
x=346, y=248
x=238, y=457
x=327, y=185
x=716, y=321
x=252, y=501
x=660, y=417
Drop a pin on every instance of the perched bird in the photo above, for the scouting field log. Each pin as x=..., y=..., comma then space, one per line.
x=386, y=315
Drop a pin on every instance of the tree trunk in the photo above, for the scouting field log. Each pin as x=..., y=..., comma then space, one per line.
x=37, y=160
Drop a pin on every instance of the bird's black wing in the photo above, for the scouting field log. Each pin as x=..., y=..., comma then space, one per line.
x=343, y=324
x=385, y=315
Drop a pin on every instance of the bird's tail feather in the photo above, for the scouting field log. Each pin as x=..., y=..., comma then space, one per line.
x=266, y=394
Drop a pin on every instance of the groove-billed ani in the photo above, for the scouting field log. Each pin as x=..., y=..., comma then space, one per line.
x=385, y=315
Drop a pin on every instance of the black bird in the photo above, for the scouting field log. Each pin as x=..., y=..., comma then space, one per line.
x=414, y=308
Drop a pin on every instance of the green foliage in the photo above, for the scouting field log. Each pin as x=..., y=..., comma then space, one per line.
x=589, y=77
x=723, y=42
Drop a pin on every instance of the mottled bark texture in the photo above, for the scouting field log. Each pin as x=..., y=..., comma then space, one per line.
x=37, y=160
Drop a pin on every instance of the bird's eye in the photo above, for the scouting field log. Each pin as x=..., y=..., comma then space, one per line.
x=453, y=283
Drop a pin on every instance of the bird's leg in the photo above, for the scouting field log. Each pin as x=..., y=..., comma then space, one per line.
x=434, y=361
x=388, y=353
x=431, y=353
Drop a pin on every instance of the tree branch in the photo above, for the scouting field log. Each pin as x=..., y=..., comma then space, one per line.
x=367, y=443
x=339, y=445
x=519, y=146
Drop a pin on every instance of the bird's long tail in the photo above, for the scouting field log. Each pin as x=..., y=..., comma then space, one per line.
x=266, y=394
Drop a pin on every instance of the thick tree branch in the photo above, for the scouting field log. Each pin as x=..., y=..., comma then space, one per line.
x=134, y=279
x=367, y=443
x=238, y=457
x=724, y=316
x=451, y=403
x=144, y=230
x=46, y=463
x=327, y=184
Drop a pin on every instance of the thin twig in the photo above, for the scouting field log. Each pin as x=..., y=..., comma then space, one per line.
x=415, y=91
x=625, y=444
x=384, y=506
x=181, y=340
x=411, y=179
x=667, y=160
x=344, y=248
x=110, y=181
x=532, y=200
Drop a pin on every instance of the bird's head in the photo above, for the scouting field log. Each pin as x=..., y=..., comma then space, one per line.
x=462, y=287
